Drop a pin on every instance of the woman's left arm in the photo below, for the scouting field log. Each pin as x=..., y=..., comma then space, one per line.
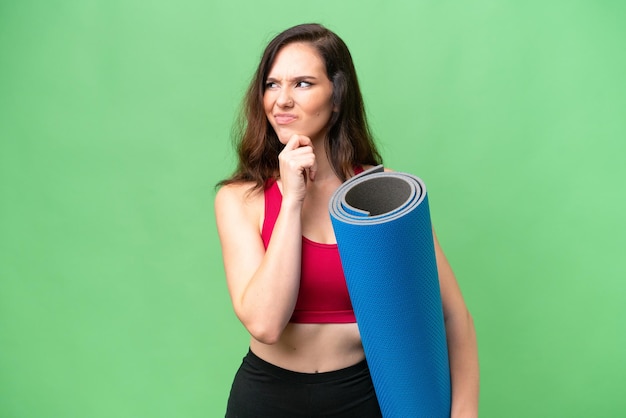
x=461, y=336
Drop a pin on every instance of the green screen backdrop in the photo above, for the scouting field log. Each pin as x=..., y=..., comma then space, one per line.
x=115, y=121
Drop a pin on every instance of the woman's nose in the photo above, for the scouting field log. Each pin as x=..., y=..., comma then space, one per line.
x=284, y=98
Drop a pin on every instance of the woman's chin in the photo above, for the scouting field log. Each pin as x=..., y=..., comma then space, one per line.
x=284, y=136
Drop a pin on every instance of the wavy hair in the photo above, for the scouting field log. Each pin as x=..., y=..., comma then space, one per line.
x=349, y=140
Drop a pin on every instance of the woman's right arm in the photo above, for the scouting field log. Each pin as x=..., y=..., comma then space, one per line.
x=264, y=285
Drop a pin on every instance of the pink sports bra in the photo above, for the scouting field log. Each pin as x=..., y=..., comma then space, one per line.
x=323, y=295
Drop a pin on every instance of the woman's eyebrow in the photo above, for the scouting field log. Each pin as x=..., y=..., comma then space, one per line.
x=296, y=78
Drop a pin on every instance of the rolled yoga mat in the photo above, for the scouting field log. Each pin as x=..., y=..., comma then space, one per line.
x=384, y=235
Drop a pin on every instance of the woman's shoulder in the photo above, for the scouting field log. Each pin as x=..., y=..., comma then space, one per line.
x=240, y=195
x=239, y=205
x=365, y=167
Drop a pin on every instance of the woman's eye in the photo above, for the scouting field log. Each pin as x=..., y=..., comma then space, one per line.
x=303, y=84
x=270, y=85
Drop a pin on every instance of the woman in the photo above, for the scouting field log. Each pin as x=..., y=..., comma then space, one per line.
x=304, y=132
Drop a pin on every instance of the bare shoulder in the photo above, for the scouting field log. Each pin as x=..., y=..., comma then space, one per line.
x=239, y=199
x=367, y=167
x=240, y=192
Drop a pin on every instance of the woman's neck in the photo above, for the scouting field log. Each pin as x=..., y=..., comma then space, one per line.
x=324, y=168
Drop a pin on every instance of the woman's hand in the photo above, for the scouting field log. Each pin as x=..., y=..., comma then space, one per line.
x=297, y=165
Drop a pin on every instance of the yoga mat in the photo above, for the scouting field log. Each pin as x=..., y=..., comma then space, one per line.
x=382, y=225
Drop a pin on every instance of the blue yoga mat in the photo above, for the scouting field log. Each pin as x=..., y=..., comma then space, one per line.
x=382, y=225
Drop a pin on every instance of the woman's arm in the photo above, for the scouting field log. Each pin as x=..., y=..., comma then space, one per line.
x=264, y=285
x=461, y=336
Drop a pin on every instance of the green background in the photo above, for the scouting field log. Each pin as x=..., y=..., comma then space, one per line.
x=115, y=120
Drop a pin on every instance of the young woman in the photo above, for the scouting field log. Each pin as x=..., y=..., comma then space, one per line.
x=303, y=133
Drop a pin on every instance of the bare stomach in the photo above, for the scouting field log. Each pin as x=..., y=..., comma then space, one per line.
x=313, y=348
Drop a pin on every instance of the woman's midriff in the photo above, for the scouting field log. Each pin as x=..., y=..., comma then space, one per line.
x=313, y=348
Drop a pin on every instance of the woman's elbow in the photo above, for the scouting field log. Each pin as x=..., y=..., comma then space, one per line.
x=264, y=331
x=266, y=335
x=461, y=317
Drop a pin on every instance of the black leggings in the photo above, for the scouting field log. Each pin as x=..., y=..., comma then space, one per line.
x=263, y=390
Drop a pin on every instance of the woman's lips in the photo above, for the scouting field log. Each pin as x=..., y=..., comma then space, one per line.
x=284, y=118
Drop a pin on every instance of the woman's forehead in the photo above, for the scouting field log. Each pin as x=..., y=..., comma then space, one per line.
x=297, y=58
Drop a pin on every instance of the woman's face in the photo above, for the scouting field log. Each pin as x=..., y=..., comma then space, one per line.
x=298, y=93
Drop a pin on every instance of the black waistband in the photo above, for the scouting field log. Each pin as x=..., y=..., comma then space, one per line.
x=299, y=377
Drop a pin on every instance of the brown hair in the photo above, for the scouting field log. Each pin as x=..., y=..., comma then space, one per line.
x=349, y=141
